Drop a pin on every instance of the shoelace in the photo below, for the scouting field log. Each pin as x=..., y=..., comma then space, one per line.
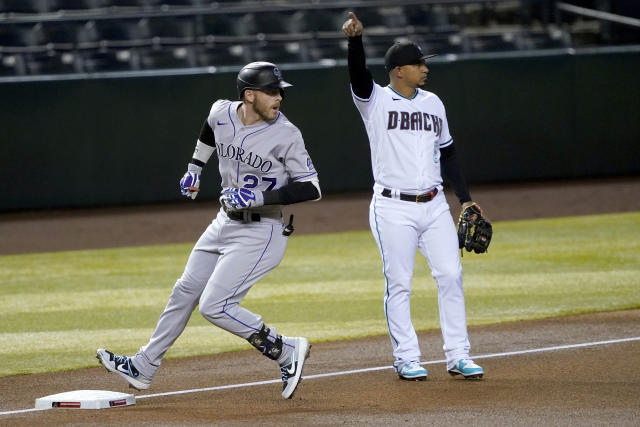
x=414, y=365
x=120, y=359
x=285, y=375
x=124, y=360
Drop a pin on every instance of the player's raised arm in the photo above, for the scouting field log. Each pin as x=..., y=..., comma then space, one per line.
x=359, y=74
x=353, y=26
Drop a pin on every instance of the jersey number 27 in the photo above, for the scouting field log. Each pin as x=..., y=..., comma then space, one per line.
x=252, y=181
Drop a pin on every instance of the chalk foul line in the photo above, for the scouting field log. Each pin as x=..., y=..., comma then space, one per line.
x=359, y=371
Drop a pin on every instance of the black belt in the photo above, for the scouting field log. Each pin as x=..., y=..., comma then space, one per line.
x=418, y=198
x=240, y=216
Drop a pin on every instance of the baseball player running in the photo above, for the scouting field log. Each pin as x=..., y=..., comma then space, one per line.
x=410, y=150
x=263, y=163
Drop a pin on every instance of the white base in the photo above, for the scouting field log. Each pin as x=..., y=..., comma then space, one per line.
x=86, y=399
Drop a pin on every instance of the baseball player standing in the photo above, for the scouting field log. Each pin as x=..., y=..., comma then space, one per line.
x=411, y=149
x=263, y=164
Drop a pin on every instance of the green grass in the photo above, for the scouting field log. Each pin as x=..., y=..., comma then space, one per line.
x=57, y=308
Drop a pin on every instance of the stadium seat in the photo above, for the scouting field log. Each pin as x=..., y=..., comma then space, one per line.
x=247, y=33
x=61, y=32
x=334, y=48
x=545, y=40
x=272, y=22
x=109, y=60
x=281, y=52
x=318, y=20
x=167, y=57
x=504, y=13
x=418, y=15
x=370, y=17
x=222, y=55
x=113, y=30
x=174, y=29
x=12, y=65
x=185, y=3
x=442, y=43
x=52, y=62
x=24, y=6
x=492, y=43
x=217, y=25
x=393, y=17
x=131, y=3
x=75, y=5
x=244, y=24
x=431, y=16
x=376, y=45
x=19, y=35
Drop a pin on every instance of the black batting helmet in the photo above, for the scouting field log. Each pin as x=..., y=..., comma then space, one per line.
x=260, y=75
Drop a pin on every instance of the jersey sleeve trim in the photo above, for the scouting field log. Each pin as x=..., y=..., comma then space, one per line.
x=447, y=143
x=357, y=98
x=302, y=177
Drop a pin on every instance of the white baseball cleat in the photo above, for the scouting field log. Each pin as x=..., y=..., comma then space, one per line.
x=122, y=366
x=292, y=368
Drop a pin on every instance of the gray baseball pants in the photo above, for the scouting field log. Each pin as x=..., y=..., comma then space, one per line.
x=228, y=259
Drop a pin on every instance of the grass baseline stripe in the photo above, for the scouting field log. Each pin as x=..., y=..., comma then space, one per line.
x=358, y=371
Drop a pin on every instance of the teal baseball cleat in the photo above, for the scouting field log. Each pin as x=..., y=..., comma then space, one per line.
x=467, y=368
x=412, y=371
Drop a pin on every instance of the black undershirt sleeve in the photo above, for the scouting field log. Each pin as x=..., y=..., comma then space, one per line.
x=452, y=173
x=207, y=137
x=294, y=192
x=359, y=74
x=206, y=134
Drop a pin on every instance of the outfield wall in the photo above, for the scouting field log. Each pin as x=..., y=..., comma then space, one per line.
x=100, y=140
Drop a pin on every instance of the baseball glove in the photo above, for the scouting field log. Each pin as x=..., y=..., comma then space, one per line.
x=474, y=230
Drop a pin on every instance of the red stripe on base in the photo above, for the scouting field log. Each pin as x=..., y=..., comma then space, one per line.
x=120, y=402
x=66, y=404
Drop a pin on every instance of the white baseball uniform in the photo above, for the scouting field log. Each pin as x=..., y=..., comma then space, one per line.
x=232, y=255
x=405, y=136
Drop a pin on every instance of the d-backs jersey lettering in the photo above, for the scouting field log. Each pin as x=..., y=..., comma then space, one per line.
x=405, y=135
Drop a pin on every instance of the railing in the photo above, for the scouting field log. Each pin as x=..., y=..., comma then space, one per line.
x=215, y=8
x=599, y=15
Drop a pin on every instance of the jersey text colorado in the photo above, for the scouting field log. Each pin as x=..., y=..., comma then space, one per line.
x=248, y=158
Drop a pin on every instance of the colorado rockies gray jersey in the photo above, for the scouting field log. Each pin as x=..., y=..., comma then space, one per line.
x=264, y=156
x=405, y=145
x=232, y=255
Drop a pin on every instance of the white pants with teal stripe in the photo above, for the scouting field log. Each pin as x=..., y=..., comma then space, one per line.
x=400, y=228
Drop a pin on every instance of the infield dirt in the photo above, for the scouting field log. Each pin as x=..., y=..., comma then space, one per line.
x=592, y=385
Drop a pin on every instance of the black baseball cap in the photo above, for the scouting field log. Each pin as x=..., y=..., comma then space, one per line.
x=404, y=53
